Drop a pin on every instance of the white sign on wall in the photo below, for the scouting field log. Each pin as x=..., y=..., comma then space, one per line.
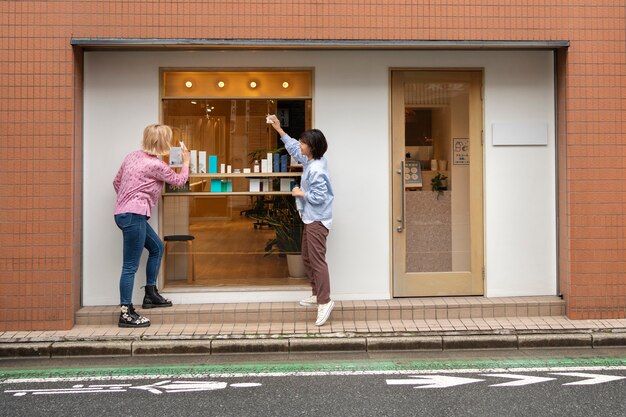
x=460, y=151
x=520, y=134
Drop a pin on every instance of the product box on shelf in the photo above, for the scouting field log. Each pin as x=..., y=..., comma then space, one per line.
x=216, y=186
x=176, y=157
x=255, y=185
x=276, y=162
x=286, y=184
x=202, y=162
x=269, y=162
x=212, y=164
x=193, y=161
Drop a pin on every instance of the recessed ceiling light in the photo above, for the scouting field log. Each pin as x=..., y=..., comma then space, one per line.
x=252, y=84
x=285, y=84
x=188, y=84
x=221, y=84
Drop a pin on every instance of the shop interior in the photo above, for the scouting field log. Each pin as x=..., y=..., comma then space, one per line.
x=436, y=181
x=237, y=210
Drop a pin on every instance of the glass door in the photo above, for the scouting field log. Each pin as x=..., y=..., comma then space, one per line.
x=437, y=183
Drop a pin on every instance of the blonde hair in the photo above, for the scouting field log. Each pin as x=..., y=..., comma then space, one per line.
x=157, y=139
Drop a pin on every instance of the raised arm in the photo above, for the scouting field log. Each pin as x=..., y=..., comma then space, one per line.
x=168, y=175
x=291, y=145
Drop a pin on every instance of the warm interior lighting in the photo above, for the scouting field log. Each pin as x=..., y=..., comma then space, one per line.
x=188, y=84
x=267, y=84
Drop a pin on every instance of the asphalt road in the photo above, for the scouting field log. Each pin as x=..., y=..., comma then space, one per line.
x=576, y=383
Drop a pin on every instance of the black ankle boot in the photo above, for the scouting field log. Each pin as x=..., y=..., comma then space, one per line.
x=130, y=318
x=153, y=299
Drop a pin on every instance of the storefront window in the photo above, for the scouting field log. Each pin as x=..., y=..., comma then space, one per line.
x=238, y=196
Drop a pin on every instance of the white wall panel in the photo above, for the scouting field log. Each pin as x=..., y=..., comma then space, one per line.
x=351, y=106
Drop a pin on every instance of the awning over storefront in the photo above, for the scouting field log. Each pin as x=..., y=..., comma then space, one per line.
x=139, y=43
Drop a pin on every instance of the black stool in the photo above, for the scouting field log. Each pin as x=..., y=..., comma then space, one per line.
x=191, y=276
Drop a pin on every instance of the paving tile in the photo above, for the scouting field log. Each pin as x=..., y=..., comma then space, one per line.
x=450, y=314
x=349, y=327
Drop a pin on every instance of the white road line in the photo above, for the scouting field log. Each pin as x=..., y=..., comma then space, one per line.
x=433, y=381
x=163, y=387
x=520, y=380
x=182, y=386
x=19, y=393
x=314, y=373
x=592, y=379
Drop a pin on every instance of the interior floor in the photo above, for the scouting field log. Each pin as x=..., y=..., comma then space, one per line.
x=227, y=253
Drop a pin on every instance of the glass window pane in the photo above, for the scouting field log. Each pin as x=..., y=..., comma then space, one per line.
x=231, y=229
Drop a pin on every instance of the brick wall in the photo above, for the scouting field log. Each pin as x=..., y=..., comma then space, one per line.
x=40, y=121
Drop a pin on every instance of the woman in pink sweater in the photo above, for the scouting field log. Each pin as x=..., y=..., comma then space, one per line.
x=138, y=185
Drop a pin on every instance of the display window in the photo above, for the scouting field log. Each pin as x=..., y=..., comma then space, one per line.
x=234, y=224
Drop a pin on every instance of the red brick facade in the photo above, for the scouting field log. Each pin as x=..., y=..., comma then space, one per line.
x=40, y=121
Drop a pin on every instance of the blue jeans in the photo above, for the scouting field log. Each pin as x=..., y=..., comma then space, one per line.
x=138, y=234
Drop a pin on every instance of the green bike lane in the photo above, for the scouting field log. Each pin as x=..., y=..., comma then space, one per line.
x=235, y=366
x=572, y=383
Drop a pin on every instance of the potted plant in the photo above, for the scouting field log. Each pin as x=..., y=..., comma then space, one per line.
x=284, y=219
x=439, y=184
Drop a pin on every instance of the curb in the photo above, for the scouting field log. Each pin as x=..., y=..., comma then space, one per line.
x=287, y=345
x=25, y=350
x=87, y=348
x=249, y=346
x=609, y=339
x=325, y=344
x=402, y=343
x=554, y=340
x=480, y=342
x=171, y=347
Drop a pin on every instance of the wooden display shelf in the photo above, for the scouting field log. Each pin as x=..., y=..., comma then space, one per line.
x=224, y=193
x=248, y=175
x=203, y=179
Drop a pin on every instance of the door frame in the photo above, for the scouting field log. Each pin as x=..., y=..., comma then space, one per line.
x=411, y=284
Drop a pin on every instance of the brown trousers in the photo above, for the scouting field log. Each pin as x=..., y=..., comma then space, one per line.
x=314, y=258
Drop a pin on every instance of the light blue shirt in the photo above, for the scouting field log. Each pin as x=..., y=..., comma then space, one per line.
x=317, y=203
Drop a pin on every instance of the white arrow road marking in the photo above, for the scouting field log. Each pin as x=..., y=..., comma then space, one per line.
x=156, y=388
x=182, y=386
x=592, y=379
x=313, y=373
x=76, y=389
x=433, y=381
x=246, y=384
x=521, y=380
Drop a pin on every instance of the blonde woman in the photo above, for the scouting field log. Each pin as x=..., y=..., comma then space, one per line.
x=138, y=185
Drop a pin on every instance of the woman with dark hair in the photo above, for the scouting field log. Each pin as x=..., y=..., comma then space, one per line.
x=314, y=199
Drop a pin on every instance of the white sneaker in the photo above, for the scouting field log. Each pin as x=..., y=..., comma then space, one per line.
x=323, y=312
x=309, y=302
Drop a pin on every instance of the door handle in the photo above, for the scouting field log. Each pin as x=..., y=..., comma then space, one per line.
x=400, y=171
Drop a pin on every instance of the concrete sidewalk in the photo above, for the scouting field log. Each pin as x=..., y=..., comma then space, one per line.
x=378, y=329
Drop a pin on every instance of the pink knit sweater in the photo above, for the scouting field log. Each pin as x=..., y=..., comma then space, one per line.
x=139, y=182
